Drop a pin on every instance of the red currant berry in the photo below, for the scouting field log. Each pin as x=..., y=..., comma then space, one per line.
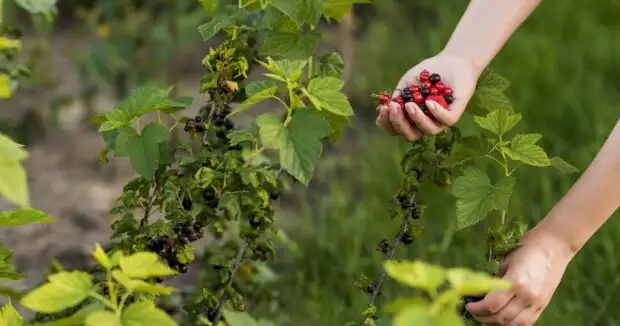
x=400, y=101
x=434, y=91
x=440, y=87
x=384, y=99
x=447, y=91
x=426, y=84
x=425, y=75
x=418, y=98
x=414, y=88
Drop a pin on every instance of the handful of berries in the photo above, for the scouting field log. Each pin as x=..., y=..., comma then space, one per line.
x=429, y=88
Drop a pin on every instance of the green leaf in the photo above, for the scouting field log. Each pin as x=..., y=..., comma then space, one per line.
x=13, y=180
x=221, y=20
x=234, y=318
x=37, y=6
x=9, y=316
x=290, y=45
x=338, y=9
x=7, y=43
x=498, y=122
x=63, y=290
x=6, y=86
x=101, y=257
x=329, y=65
x=468, y=282
x=298, y=143
x=523, y=148
x=210, y=6
x=256, y=92
x=560, y=164
x=7, y=270
x=144, y=265
x=417, y=274
x=300, y=11
x=103, y=318
x=142, y=149
x=324, y=93
x=186, y=254
x=77, y=319
x=477, y=196
x=145, y=313
x=336, y=122
x=418, y=315
x=286, y=69
x=23, y=216
x=490, y=80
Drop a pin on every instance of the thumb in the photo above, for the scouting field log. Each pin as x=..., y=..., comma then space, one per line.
x=447, y=116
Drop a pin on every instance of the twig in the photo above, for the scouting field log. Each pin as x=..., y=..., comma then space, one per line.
x=403, y=229
x=147, y=210
x=220, y=306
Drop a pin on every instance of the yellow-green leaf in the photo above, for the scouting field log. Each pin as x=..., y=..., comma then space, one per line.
x=145, y=313
x=417, y=314
x=469, y=282
x=498, y=122
x=22, y=216
x=417, y=274
x=101, y=257
x=6, y=86
x=338, y=9
x=560, y=164
x=9, y=316
x=7, y=43
x=325, y=94
x=13, y=180
x=63, y=290
x=144, y=265
x=103, y=318
x=256, y=92
x=523, y=148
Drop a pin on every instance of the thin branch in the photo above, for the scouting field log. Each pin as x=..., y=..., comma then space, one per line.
x=147, y=210
x=220, y=306
x=403, y=229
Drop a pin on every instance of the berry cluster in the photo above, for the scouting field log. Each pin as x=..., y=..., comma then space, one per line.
x=408, y=204
x=194, y=125
x=429, y=88
x=164, y=246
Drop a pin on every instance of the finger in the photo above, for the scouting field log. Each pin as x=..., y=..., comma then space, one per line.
x=491, y=304
x=447, y=117
x=383, y=120
x=400, y=124
x=422, y=121
x=508, y=313
x=526, y=317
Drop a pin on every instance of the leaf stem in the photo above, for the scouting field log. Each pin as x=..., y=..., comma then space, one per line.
x=103, y=300
x=403, y=228
x=237, y=264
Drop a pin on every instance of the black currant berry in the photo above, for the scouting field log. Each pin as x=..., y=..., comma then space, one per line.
x=197, y=227
x=183, y=268
x=435, y=78
x=187, y=204
x=192, y=236
x=449, y=99
x=159, y=279
x=254, y=221
x=213, y=203
x=178, y=228
x=198, y=119
x=200, y=128
x=208, y=194
x=183, y=240
x=370, y=289
x=228, y=125
x=425, y=91
x=151, y=244
x=407, y=238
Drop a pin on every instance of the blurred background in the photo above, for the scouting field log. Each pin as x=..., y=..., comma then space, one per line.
x=563, y=65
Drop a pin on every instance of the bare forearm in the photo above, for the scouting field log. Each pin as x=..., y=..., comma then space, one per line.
x=591, y=201
x=485, y=27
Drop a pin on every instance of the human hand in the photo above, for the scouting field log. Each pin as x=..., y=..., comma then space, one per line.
x=457, y=73
x=535, y=269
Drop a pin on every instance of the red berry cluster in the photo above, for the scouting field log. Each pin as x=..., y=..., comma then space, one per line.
x=429, y=88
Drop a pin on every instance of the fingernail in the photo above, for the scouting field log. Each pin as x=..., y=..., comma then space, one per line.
x=410, y=108
x=431, y=106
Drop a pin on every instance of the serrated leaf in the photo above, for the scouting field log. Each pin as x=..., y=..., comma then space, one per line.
x=13, y=180
x=63, y=290
x=560, y=164
x=147, y=99
x=300, y=11
x=221, y=20
x=103, y=318
x=336, y=122
x=523, y=148
x=298, y=143
x=491, y=80
x=186, y=254
x=329, y=65
x=488, y=100
x=142, y=149
x=338, y=9
x=77, y=319
x=285, y=69
x=498, y=122
x=145, y=313
x=256, y=92
x=290, y=45
x=477, y=196
x=142, y=265
x=37, y=6
x=417, y=274
x=468, y=282
x=9, y=316
x=325, y=94
x=23, y=216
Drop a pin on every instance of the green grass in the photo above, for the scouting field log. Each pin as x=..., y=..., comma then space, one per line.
x=563, y=67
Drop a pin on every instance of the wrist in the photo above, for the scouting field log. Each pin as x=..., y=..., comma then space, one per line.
x=476, y=65
x=546, y=236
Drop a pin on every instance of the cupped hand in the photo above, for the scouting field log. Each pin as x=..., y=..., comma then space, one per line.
x=457, y=73
x=535, y=269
